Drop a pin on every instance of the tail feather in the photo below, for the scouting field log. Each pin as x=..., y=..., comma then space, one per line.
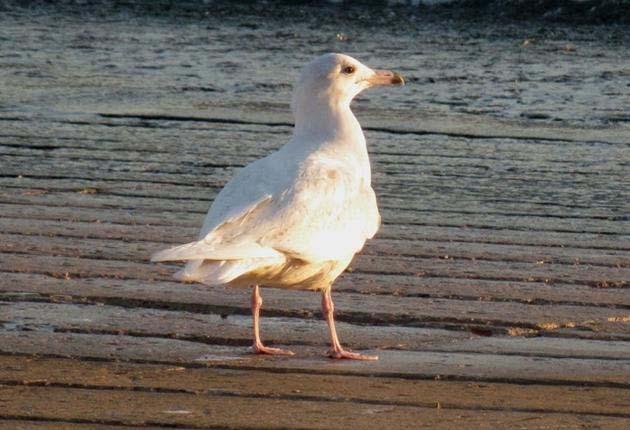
x=202, y=250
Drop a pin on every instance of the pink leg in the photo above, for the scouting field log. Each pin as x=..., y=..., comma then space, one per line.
x=258, y=346
x=328, y=308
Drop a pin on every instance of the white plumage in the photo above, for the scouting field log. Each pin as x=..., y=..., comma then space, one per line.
x=296, y=218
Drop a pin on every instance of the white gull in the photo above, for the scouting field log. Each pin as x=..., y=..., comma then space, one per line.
x=296, y=218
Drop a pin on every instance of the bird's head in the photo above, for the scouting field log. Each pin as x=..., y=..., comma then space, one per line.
x=335, y=79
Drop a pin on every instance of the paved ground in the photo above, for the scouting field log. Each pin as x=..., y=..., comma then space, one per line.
x=495, y=294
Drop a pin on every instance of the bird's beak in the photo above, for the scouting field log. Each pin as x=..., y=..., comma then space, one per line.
x=385, y=77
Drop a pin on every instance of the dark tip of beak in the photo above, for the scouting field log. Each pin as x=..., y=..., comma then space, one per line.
x=397, y=79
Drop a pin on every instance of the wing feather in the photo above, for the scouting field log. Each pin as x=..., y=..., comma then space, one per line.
x=326, y=214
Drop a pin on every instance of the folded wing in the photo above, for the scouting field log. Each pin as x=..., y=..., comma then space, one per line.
x=325, y=214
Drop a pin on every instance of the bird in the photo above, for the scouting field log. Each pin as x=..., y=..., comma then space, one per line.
x=295, y=218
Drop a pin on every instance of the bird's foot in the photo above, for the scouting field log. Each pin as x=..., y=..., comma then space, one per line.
x=343, y=354
x=262, y=349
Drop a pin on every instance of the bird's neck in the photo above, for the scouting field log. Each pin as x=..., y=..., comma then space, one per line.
x=329, y=124
x=335, y=132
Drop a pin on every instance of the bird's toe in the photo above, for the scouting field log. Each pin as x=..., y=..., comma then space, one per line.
x=350, y=355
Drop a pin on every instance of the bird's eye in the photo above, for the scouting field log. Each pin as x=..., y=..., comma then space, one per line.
x=348, y=70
